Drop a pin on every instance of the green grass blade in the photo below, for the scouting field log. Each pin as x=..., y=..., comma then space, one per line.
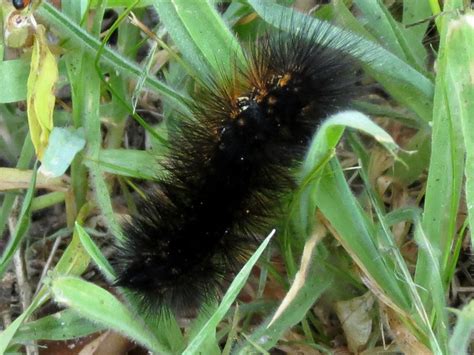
x=325, y=141
x=310, y=282
x=138, y=164
x=95, y=254
x=92, y=126
x=389, y=32
x=413, y=12
x=462, y=333
x=120, y=3
x=387, y=242
x=445, y=174
x=82, y=39
x=339, y=206
x=62, y=325
x=459, y=62
x=439, y=338
x=74, y=260
x=98, y=305
x=330, y=132
x=201, y=35
x=234, y=289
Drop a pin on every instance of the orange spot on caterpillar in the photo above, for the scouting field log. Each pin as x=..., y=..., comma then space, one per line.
x=283, y=81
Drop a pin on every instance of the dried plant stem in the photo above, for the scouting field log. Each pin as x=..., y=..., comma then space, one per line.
x=21, y=272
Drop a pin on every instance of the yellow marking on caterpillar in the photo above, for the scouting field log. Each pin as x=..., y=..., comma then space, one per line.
x=283, y=81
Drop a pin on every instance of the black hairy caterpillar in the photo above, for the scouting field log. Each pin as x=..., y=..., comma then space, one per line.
x=229, y=166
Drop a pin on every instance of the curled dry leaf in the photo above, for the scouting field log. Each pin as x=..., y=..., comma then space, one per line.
x=356, y=319
x=40, y=92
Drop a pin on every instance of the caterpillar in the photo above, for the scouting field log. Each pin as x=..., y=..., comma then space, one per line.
x=229, y=167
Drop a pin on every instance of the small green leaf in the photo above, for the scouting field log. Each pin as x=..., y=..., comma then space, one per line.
x=95, y=253
x=62, y=325
x=74, y=260
x=62, y=147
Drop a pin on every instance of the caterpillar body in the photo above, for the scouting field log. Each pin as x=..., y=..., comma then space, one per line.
x=228, y=168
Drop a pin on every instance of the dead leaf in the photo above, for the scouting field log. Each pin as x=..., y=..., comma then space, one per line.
x=356, y=319
x=40, y=92
x=300, y=276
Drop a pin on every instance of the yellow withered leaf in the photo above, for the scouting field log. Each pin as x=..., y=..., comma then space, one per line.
x=40, y=92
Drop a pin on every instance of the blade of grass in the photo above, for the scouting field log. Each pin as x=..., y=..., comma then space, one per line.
x=460, y=56
x=409, y=98
x=96, y=304
x=62, y=325
x=310, y=282
x=47, y=200
x=239, y=281
x=357, y=234
x=462, y=333
x=389, y=32
x=387, y=242
x=73, y=261
x=91, y=45
x=138, y=164
x=95, y=254
x=201, y=35
x=414, y=11
x=325, y=141
x=120, y=3
x=90, y=99
x=445, y=175
x=119, y=96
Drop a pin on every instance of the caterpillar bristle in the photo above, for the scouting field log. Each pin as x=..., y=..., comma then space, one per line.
x=228, y=168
